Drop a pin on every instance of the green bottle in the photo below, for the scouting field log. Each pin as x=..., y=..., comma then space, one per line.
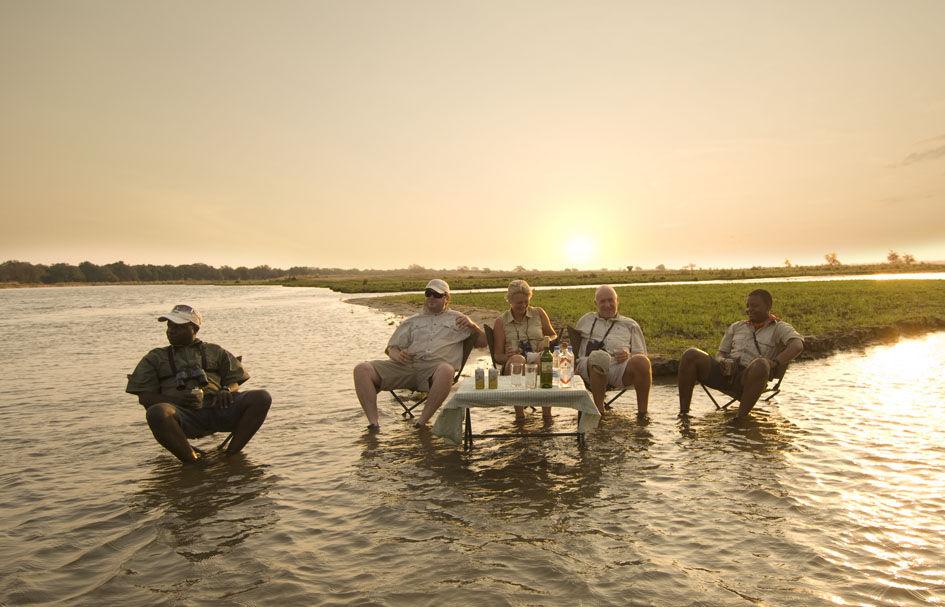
x=544, y=368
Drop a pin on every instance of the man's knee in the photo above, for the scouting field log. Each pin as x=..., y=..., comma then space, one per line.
x=365, y=372
x=159, y=414
x=638, y=370
x=757, y=371
x=258, y=400
x=444, y=372
x=691, y=357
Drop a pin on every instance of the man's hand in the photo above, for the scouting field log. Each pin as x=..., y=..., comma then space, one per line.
x=465, y=321
x=222, y=399
x=188, y=399
x=400, y=356
x=621, y=355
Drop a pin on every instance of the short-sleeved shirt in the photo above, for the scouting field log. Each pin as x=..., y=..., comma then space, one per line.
x=743, y=343
x=154, y=373
x=528, y=328
x=432, y=337
x=620, y=331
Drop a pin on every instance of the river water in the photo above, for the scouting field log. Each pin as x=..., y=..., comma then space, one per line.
x=833, y=495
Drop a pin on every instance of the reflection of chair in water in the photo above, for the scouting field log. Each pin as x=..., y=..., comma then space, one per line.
x=575, y=338
x=772, y=390
x=468, y=344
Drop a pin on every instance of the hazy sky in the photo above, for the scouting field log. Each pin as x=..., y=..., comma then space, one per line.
x=547, y=134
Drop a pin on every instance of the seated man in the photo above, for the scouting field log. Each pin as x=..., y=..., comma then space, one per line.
x=613, y=352
x=190, y=390
x=751, y=354
x=425, y=351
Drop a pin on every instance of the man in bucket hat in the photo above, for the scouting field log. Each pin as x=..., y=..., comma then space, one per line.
x=191, y=389
x=424, y=353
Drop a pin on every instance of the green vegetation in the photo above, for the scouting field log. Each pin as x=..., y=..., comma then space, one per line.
x=675, y=317
x=353, y=280
x=416, y=280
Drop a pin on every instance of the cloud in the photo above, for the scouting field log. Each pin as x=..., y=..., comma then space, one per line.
x=931, y=154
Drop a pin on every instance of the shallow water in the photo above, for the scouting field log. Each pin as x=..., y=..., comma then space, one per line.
x=833, y=494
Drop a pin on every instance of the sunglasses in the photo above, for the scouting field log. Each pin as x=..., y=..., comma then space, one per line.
x=432, y=293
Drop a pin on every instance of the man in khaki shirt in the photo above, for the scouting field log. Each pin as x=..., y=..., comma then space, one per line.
x=424, y=353
x=752, y=353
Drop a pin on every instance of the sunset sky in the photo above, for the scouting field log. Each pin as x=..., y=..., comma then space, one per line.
x=548, y=134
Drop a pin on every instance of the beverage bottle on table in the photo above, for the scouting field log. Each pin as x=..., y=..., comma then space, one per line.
x=555, y=358
x=545, y=364
x=566, y=368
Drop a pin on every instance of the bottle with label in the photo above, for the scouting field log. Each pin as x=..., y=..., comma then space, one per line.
x=566, y=368
x=545, y=366
x=555, y=359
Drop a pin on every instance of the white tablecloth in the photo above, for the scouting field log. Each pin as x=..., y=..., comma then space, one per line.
x=449, y=422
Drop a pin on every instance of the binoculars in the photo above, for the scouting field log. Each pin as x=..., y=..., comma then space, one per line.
x=192, y=372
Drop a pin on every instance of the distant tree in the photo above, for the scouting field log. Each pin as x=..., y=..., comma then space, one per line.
x=661, y=267
x=690, y=267
x=788, y=264
x=20, y=271
x=893, y=257
x=63, y=272
x=638, y=268
x=519, y=269
x=462, y=268
x=832, y=259
x=630, y=268
x=95, y=273
x=122, y=271
x=416, y=268
x=908, y=258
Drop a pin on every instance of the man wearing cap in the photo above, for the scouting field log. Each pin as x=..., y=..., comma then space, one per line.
x=613, y=352
x=424, y=353
x=752, y=353
x=191, y=389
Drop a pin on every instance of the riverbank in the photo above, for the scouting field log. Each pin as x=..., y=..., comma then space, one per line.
x=832, y=316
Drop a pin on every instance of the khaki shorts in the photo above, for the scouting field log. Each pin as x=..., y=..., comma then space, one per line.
x=415, y=376
x=604, y=363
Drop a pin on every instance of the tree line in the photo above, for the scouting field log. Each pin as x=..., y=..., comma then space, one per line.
x=24, y=272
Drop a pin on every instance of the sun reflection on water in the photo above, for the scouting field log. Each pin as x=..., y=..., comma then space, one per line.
x=888, y=481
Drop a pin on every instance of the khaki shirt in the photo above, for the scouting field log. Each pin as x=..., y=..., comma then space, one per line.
x=529, y=328
x=154, y=374
x=626, y=333
x=739, y=341
x=432, y=337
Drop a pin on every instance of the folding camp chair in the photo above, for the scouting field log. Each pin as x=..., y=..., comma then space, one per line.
x=774, y=387
x=490, y=339
x=574, y=338
x=468, y=344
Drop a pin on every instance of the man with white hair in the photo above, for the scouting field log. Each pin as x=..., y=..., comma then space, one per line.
x=613, y=351
x=424, y=353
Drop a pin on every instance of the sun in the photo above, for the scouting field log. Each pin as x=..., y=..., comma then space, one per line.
x=579, y=250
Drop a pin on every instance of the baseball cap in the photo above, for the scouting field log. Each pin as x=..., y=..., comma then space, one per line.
x=439, y=286
x=182, y=314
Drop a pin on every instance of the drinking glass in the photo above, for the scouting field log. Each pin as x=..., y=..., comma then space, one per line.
x=531, y=375
x=518, y=377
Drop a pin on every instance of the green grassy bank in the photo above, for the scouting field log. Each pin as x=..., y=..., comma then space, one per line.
x=389, y=282
x=675, y=317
